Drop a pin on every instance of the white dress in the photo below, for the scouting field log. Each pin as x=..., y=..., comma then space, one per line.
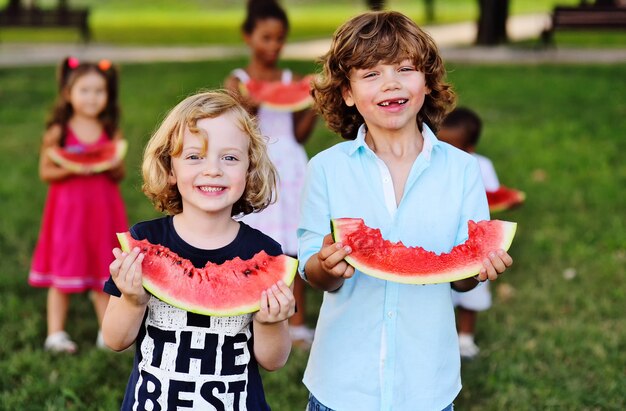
x=280, y=220
x=488, y=173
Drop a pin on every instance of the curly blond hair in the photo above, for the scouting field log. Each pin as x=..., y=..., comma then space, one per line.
x=366, y=40
x=167, y=142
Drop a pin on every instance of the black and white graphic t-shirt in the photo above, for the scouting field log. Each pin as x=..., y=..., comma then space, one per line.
x=187, y=361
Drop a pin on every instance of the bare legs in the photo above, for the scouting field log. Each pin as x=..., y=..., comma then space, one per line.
x=58, y=305
x=466, y=325
x=298, y=292
x=57, y=309
x=466, y=320
x=301, y=335
x=100, y=301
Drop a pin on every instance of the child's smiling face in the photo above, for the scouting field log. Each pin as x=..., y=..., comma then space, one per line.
x=212, y=180
x=388, y=95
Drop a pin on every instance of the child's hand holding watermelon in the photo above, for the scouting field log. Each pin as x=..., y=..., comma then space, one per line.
x=329, y=269
x=277, y=304
x=126, y=273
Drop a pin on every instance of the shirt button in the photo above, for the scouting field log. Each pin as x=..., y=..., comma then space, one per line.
x=390, y=314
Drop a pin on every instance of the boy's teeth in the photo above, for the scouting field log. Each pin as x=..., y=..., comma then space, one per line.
x=386, y=103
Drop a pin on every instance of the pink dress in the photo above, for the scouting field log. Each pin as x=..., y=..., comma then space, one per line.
x=80, y=219
x=280, y=220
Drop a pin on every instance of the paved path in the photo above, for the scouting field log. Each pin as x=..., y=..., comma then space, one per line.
x=455, y=41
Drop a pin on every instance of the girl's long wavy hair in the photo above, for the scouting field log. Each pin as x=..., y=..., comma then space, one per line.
x=69, y=71
x=363, y=42
x=167, y=142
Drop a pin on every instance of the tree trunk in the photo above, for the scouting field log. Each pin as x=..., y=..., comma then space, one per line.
x=14, y=6
x=429, y=6
x=375, y=4
x=492, y=22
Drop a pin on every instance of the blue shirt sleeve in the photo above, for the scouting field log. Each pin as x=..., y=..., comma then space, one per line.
x=314, y=215
x=474, y=200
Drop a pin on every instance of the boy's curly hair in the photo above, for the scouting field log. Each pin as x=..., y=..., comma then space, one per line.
x=167, y=142
x=366, y=40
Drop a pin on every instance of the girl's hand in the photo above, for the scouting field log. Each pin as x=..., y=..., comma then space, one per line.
x=277, y=304
x=85, y=171
x=496, y=263
x=117, y=171
x=331, y=258
x=126, y=273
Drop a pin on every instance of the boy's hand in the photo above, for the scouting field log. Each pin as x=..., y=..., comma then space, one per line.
x=127, y=275
x=277, y=304
x=331, y=258
x=494, y=265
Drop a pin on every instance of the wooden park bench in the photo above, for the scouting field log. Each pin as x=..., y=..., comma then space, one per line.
x=585, y=17
x=15, y=15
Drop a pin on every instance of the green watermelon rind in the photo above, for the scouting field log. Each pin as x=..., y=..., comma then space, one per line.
x=290, y=270
x=469, y=270
x=55, y=153
x=285, y=107
x=290, y=107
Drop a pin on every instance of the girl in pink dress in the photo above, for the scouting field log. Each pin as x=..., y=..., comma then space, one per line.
x=83, y=210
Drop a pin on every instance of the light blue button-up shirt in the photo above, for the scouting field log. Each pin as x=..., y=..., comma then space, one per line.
x=381, y=345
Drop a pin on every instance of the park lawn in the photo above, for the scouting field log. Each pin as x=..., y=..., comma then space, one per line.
x=219, y=21
x=555, y=337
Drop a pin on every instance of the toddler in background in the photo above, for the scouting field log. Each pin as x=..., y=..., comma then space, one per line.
x=462, y=128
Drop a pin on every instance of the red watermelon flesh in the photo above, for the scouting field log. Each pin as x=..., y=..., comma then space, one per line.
x=94, y=159
x=505, y=198
x=231, y=288
x=380, y=258
x=294, y=96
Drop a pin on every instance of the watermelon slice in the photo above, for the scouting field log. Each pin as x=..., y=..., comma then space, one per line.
x=380, y=258
x=231, y=288
x=294, y=96
x=504, y=198
x=94, y=159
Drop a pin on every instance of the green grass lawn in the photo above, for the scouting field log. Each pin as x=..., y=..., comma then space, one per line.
x=555, y=337
x=218, y=21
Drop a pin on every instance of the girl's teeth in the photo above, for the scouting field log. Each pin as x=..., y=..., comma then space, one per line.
x=211, y=189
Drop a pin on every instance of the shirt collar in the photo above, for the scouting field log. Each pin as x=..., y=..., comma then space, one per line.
x=430, y=140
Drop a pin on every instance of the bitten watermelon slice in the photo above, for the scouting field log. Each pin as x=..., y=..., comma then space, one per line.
x=294, y=96
x=505, y=198
x=94, y=160
x=231, y=288
x=380, y=258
